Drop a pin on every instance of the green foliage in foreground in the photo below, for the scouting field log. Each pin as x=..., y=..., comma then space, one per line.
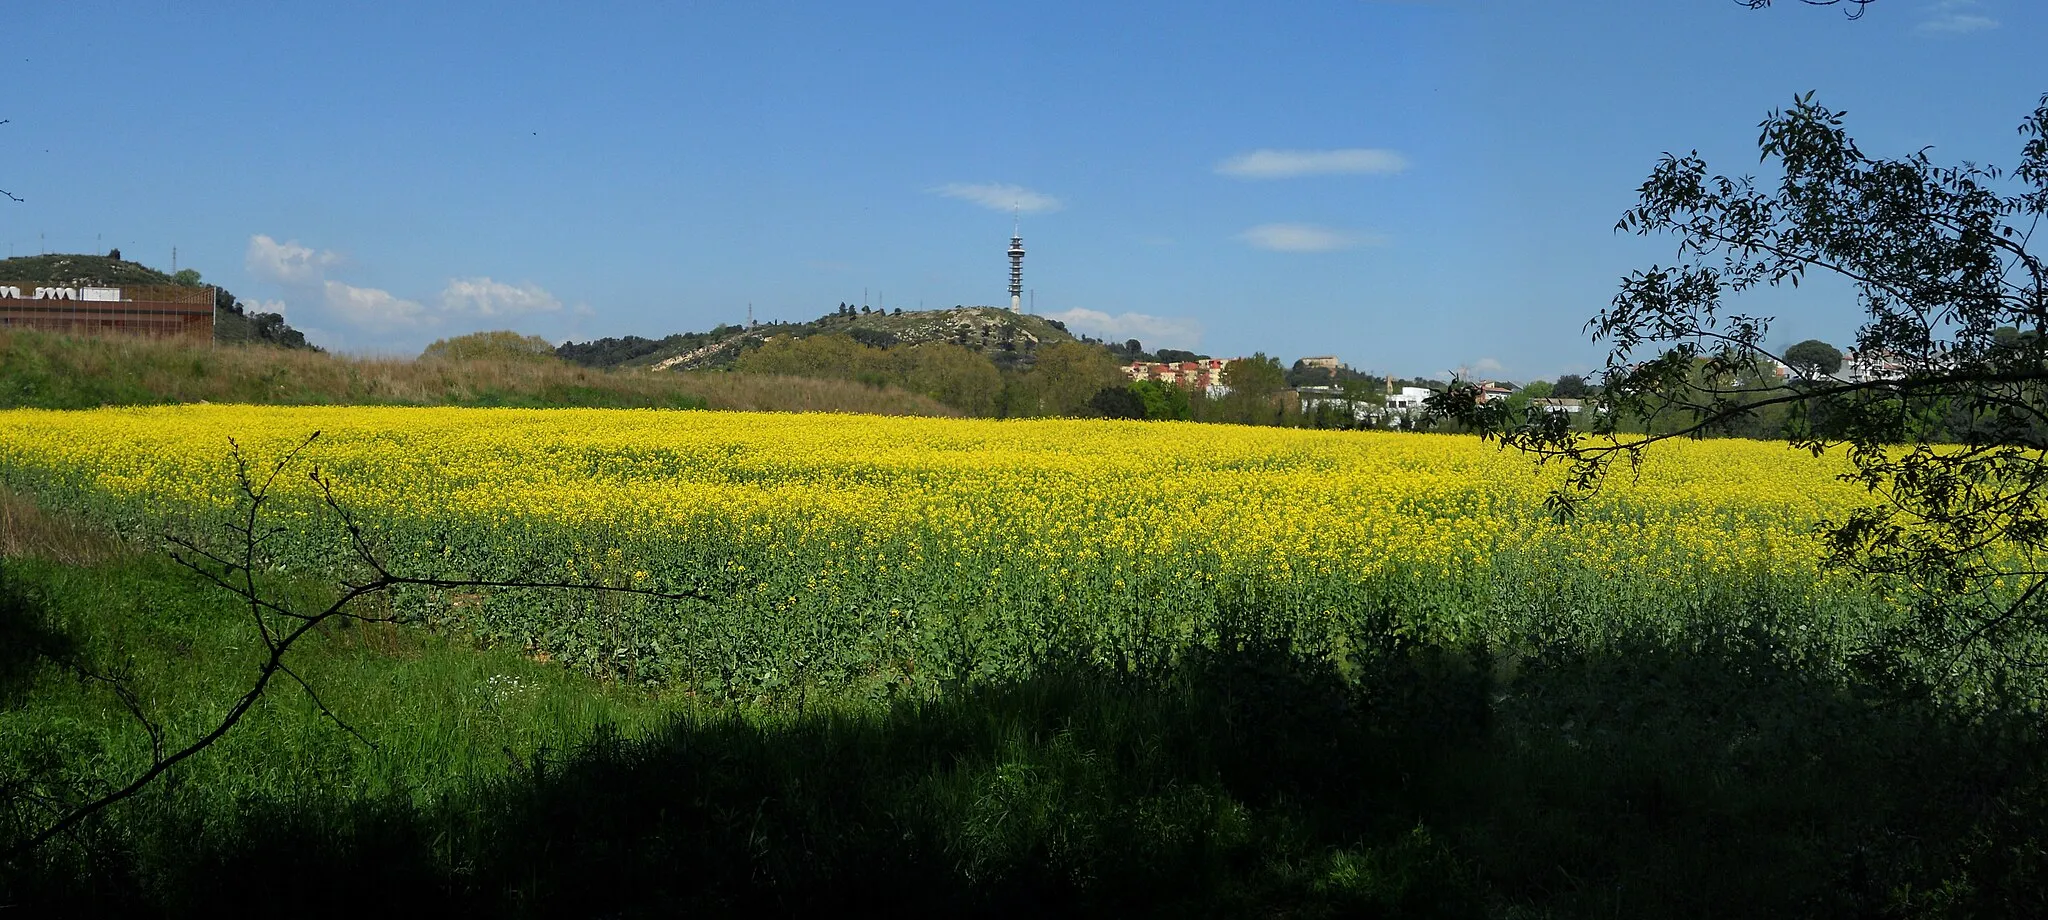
x=1705, y=769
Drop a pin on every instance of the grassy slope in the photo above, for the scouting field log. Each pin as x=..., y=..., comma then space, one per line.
x=46, y=370
x=1696, y=775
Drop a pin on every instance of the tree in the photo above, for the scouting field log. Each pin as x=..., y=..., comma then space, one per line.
x=837, y=357
x=1255, y=386
x=959, y=377
x=1570, y=386
x=502, y=344
x=1163, y=402
x=1258, y=376
x=1814, y=358
x=1066, y=377
x=1117, y=402
x=188, y=277
x=1951, y=440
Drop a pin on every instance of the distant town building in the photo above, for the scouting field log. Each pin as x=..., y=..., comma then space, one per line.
x=1863, y=367
x=1407, y=399
x=1205, y=375
x=1326, y=362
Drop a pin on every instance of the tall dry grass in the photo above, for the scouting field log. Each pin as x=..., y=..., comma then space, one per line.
x=29, y=532
x=57, y=371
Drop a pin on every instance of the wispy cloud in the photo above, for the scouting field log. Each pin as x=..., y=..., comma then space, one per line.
x=1955, y=17
x=1305, y=238
x=1289, y=164
x=303, y=270
x=1153, y=331
x=372, y=308
x=484, y=297
x=999, y=197
x=287, y=262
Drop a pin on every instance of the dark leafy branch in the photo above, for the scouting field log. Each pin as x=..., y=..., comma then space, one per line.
x=1943, y=416
x=1856, y=8
x=279, y=625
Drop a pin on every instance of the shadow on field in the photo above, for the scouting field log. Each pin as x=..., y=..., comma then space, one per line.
x=27, y=639
x=1710, y=776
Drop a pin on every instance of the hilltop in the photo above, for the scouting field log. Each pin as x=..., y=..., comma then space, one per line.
x=1009, y=340
x=71, y=270
x=232, y=323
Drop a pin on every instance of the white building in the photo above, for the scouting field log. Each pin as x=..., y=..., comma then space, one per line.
x=1408, y=399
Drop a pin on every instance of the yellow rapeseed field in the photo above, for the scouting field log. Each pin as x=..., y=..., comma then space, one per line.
x=925, y=537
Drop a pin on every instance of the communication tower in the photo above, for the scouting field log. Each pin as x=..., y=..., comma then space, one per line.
x=1016, y=269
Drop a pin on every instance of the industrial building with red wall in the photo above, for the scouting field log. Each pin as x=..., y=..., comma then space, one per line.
x=168, y=310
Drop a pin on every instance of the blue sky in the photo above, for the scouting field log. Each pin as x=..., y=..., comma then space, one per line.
x=1413, y=185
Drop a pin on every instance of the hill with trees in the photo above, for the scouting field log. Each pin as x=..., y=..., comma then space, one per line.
x=232, y=322
x=1005, y=339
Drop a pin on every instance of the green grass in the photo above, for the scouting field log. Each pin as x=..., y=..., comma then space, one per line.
x=1709, y=771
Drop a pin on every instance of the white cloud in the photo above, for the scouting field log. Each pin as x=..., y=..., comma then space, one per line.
x=287, y=262
x=1288, y=164
x=371, y=306
x=999, y=197
x=1153, y=331
x=1955, y=17
x=265, y=306
x=1305, y=238
x=1490, y=366
x=484, y=297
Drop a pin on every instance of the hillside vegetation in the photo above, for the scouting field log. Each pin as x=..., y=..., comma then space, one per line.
x=1006, y=339
x=54, y=371
x=232, y=323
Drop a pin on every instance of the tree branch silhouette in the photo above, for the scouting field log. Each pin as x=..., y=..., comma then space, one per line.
x=1856, y=10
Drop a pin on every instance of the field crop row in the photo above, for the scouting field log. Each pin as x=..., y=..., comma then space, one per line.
x=896, y=552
